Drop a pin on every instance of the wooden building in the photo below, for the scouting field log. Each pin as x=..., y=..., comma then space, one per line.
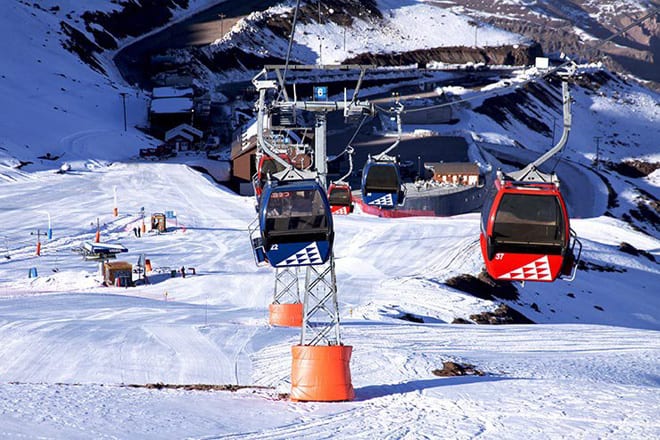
x=183, y=137
x=118, y=273
x=158, y=222
x=458, y=173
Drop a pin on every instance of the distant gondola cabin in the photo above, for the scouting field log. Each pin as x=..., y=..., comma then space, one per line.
x=158, y=222
x=118, y=273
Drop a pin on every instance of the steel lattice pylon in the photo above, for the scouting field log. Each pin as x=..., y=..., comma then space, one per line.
x=320, y=307
x=286, y=289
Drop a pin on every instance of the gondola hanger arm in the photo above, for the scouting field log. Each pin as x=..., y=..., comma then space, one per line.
x=349, y=150
x=530, y=169
x=398, y=110
x=263, y=86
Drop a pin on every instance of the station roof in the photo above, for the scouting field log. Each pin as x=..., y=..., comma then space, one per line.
x=171, y=105
x=171, y=92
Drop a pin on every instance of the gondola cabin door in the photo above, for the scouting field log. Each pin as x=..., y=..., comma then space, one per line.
x=296, y=223
x=525, y=232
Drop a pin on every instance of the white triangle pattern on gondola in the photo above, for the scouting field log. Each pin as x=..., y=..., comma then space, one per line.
x=538, y=270
x=343, y=210
x=307, y=256
x=385, y=200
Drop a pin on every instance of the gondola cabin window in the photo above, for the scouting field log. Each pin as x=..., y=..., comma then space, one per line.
x=529, y=223
x=296, y=216
x=340, y=196
x=382, y=178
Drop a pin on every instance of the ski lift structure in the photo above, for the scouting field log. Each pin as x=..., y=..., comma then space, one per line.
x=294, y=233
x=267, y=166
x=525, y=228
x=340, y=195
x=381, y=183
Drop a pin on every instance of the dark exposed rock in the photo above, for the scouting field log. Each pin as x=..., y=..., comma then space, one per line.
x=79, y=44
x=502, y=315
x=135, y=18
x=195, y=387
x=412, y=318
x=509, y=55
x=518, y=106
x=587, y=266
x=450, y=369
x=633, y=168
x=630, y=249
x=484, y=286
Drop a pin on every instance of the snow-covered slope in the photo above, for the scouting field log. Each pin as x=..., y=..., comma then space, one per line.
x=591, y=364
x=56, y=107
x=55, y=104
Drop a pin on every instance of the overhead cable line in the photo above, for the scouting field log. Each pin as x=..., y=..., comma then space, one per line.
x=288, y=49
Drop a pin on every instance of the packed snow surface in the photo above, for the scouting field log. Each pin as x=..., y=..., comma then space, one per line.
x=70, y=345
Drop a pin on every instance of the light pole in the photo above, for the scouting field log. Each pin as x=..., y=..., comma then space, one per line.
x=597, y=139
x=344, y=38
x=123, y=100
x=320, y=45
x=476, y=26
x=49, y=234
x=222, y=24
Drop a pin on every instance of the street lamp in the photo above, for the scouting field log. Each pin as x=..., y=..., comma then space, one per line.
x=222, y=24
x=476, y=27
x=123, y=100
x=49, y=234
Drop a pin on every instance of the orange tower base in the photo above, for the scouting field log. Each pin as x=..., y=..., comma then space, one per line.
x=286, y=315
x=321, y=373
x=115, y=212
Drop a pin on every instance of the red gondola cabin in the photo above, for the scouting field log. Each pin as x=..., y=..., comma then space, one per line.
x=340, y=198
x=525, y=232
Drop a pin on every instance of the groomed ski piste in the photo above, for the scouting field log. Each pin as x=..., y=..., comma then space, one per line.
x=70, y=347
x=75, y=356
